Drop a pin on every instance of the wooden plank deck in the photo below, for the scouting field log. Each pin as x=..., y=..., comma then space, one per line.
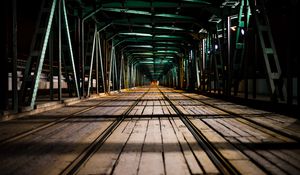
x=152, y=139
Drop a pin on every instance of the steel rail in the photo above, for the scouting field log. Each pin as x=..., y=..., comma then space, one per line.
x=222, y=164
x=75, y=165
x=47, y=125
x=293, y=137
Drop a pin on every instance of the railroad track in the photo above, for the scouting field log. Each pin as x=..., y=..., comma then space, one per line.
x=293, y=137
x=293, y=142
x=49, y=124
x=75, y=165
x=217, y=158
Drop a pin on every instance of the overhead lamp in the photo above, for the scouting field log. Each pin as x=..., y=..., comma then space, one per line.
x=143, y=53
x=167, y=51
x=202, y=31
x=168, y=28
x=242, y=31
x=136, y=34
x=150, y=58
x=169, y=57
x=166, y=36
x=120, y=10
x=165, y=42
x=141, y=46
x=233, y=28
x=146, y=62
x=173, y=16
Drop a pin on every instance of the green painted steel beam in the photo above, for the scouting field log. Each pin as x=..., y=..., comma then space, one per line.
x=135, y=34
x=70, y=48
x=156, y=37
x=156, y=4
x=153, y=27
x=140, y=12
x=156, y=20
x=42, y=56
x=132, y=48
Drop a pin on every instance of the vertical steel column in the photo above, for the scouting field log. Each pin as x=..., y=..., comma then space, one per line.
x=121, y=70
x=110, y=67
x=92, y=61
x=42, y=56
x=131, y=74
x=82, y=59
x=127, y=82
x=70, y=47
x=97, y=63
x=51, y=64
x=14, y=58
x=116, y=71
x=78, y=48
x=229, y=78
x=197, y=61
x=187, y=73
x=254, y=66
x=202, y=66
x=59, y=51
x=134, y=75
x=113, y=72
x=101, y=63
x=124, y=74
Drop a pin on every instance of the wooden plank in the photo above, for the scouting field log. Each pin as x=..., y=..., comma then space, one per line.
x=266, y=131
x=220, y=128
x=187, y=152
x=67, y=110
x=277, y=125
x=171, y=110
x=157, y=110
x=156, y=103
x=103, y=160
x=281, y=163
x=140, y=110
x=152, y=160
x=150, y=103
x=183, y=110
x=207, y=165
x=287, y=158
x=174, y=159
x=246, y=128
x=128, y=163
x=148, y=110
x=50, y=150
x=133, y=111
x=118, y=111
x=165, y=110
x=239, y=160
x=275, y=159
x=260, y=160
x=235, y=127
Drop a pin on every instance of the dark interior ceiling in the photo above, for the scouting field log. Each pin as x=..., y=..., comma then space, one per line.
x=153, y=33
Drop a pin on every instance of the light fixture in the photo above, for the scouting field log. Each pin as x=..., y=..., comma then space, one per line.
x=233, y=28
x=141, y=46
x=202, y=31
x=136, y=34
x=242, y=31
